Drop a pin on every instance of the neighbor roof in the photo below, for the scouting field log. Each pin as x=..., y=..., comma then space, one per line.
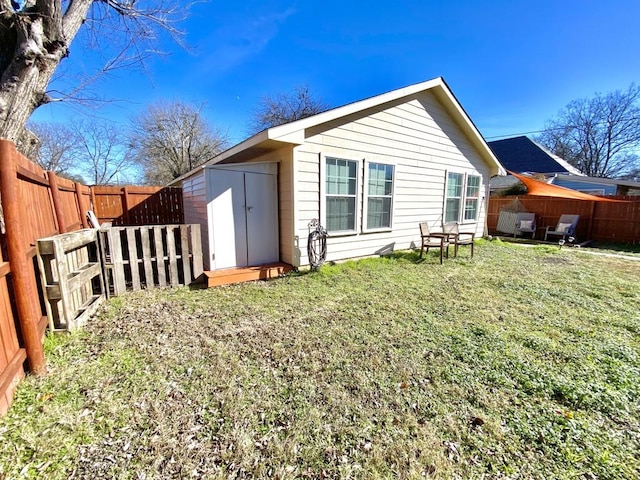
x=294, y=132
x=521, y=154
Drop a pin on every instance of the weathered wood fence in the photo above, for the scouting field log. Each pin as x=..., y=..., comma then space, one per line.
x=71, y=277
x=151, y=256
x=617, y=222
x=38, y=204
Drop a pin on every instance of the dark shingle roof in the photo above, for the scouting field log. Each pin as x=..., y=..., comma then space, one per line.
x=519, y=154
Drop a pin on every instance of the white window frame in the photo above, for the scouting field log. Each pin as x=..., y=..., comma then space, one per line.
x=463, y=197
x=466, y=197
x=323, y=194
x=366, y=196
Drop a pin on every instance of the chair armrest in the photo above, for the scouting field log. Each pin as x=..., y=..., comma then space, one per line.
x=468, y=234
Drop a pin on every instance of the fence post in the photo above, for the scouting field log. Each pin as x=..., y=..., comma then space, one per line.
x=591, y=215
x=125, y=205
x=94, y=206
x=25, y=295
x=81, y=205
x=57, y=202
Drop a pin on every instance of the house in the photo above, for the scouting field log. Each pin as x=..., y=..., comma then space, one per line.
x=369, y=171
x=523, y=155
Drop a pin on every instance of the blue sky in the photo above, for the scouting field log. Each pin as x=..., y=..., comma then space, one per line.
x=512, y=64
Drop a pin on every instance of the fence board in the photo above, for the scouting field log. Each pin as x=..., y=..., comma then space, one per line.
x=171, y=252
x=133, y=257
x=184, y=251
x=196, y=249
x=160, y=257
x=146, y=257
x=115, y=248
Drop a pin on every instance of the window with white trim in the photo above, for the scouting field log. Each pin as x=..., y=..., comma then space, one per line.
x=341, y=194
x=472, y=198
x=379, y=196
x=462, y=198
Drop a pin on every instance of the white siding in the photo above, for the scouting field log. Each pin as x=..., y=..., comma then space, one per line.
x=420, y=139
x=194, y=199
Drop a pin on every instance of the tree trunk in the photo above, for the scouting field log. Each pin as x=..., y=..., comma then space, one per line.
x=33, y=42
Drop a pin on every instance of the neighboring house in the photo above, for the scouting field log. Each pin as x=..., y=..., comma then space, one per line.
x=370, y=171
x=523, y=155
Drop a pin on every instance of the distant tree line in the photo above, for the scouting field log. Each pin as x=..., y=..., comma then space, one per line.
x=158, y=145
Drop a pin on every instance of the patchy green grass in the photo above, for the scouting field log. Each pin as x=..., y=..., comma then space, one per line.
x=520, y=363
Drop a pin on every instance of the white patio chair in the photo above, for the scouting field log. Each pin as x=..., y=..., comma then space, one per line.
x=566, y=227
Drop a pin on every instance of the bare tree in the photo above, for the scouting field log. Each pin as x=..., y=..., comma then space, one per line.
x=103, y=157
x=170, y=139
x=281, y=108
x=599, y=136
x=35, y=36
x=53, y=146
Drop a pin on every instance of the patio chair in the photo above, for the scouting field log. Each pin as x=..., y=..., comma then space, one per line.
x=458, y=238
x=433, y=240
x=566, y=227
x=525, y=223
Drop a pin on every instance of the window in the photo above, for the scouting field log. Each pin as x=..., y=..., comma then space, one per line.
x=379, y=196
x=341, y=194
x=453, y=198
x=462, y=191
x=472, y=198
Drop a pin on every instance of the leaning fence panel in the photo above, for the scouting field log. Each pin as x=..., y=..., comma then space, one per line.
x=151, y=256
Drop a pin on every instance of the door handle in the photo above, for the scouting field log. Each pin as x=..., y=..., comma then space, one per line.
x=249, y=209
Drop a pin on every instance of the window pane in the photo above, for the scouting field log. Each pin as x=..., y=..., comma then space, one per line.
x=380, y=179
x=341, y=179
x=473, y=186
x=452, y=210
x=471, y=209
x=454, y=185
x=379, y=213
x=341, y=214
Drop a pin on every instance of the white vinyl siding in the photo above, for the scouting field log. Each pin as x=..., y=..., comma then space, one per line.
x=421, y=141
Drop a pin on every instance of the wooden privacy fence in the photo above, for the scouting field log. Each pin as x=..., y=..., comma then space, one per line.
x=138, y=205
x=617, y=222
x=38, y=204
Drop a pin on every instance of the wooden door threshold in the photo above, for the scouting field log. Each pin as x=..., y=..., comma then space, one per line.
x=229, y=276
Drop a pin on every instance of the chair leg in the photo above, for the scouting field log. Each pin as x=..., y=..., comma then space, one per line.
x=472, y=249
x=421, y=250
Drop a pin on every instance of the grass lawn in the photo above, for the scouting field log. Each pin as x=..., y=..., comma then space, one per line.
x=520, y=363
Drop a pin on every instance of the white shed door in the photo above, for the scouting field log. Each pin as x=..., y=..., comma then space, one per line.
x=262, y=218
x=243, y=218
